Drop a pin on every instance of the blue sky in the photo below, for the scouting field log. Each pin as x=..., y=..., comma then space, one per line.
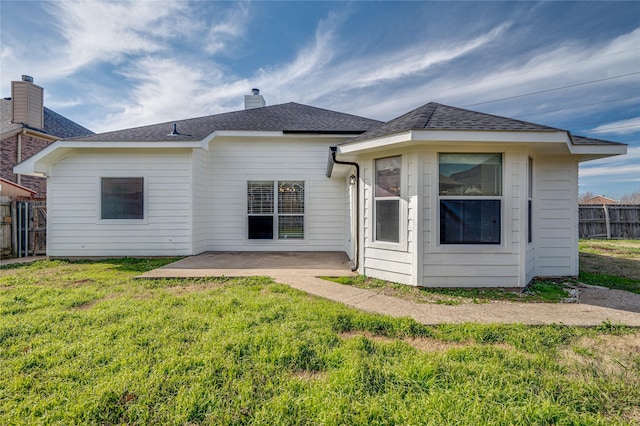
x=113, y=65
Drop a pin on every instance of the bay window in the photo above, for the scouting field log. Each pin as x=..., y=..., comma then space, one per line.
x=387, y=199
x=470, y=198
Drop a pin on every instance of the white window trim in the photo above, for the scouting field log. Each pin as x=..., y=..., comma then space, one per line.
x=530, y=197
x=403, y=216
x=145, y=201
x=275, y=214
x=505, y=243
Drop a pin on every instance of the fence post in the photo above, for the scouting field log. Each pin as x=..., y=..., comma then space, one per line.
x=607, y=220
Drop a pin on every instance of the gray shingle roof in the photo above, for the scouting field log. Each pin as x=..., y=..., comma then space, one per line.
x=288, y=118
x=62, y=127
x=583, y=140
x=54, y=123
x=435, y=116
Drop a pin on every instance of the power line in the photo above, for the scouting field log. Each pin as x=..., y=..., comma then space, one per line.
x=543, y=68
x=582, y=105
x=606, y=129
x=554, y=89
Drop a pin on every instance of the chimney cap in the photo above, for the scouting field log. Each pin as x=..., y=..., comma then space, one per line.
x=27, y=78
x=255, y=91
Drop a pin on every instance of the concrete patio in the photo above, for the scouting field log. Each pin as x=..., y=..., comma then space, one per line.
x=244, y=264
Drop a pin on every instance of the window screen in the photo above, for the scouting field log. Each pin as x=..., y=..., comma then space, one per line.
x=275, y=209
x=122, y=198
x=470, y=189
x=387, y=199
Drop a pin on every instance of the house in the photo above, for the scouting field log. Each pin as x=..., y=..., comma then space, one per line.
x=26, y=127
x=599, y=199
x=12, y=190
x=440, y=196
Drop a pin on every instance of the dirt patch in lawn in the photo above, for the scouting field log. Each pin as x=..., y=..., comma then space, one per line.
x=607, y=354
x=424, y=344
x=90, y=304
x=192, y=288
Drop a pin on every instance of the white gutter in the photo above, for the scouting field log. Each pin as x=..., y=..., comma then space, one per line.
x=36, y=165
x=417, y=137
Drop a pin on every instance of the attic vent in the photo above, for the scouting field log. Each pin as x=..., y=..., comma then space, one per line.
x=175, y=131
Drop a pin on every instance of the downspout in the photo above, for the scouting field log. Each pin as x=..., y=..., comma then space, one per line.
x=19, y=155
x=357, y=166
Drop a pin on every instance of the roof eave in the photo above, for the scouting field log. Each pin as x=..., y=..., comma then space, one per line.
x=24, y=129
x=423, y=136
x=587, y=152
x=38, y=164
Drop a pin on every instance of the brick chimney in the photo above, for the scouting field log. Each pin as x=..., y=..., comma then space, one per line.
x=255, y=100
x=27, y=103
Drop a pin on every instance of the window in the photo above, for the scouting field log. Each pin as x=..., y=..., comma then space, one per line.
x=264, y=199
x=122, y=198
x=530, y=200
x=470, y=189
x=387, y=199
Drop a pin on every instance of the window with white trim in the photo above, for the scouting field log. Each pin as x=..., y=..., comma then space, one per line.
x=470, y=190
x=275, y=210
x=387, y=199
x=122, y=198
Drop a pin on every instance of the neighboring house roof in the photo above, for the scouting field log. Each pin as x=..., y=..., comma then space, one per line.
x=435, y=116
x=287, y=118
x=12, y=189
x=600, y=199
x=54, y=124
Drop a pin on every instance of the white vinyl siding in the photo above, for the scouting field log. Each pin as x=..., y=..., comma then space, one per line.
x=235, y=162
x=200, y=197
x=556, y=214
x=75, y=227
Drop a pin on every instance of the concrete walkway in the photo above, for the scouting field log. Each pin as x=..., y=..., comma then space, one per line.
x=27, y=259
x=300, y=271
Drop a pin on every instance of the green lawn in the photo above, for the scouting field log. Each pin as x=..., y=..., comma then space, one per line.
x=611, y=263
x=84, y=343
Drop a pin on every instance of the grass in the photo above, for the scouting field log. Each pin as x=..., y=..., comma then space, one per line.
x=611, y=263
x=537, y=291
x=606, y=263
x=84, y=343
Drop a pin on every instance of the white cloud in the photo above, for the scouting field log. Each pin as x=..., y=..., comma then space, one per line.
x=227, y=28
x=621, y=168
x=107, y=31
x=563, y=65
x=621, y=127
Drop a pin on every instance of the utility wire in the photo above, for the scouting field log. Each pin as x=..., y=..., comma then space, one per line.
x=606, y=129
x=554, y=89
x=582, y=105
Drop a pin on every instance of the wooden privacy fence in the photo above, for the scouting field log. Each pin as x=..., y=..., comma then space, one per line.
x=610, y=221
x=5, y=228
x=23, y=227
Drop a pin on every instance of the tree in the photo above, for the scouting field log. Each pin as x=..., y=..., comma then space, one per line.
x=632, y=198
x=585, y=196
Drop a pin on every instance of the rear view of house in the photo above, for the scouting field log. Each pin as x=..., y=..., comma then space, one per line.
x=440, y=196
